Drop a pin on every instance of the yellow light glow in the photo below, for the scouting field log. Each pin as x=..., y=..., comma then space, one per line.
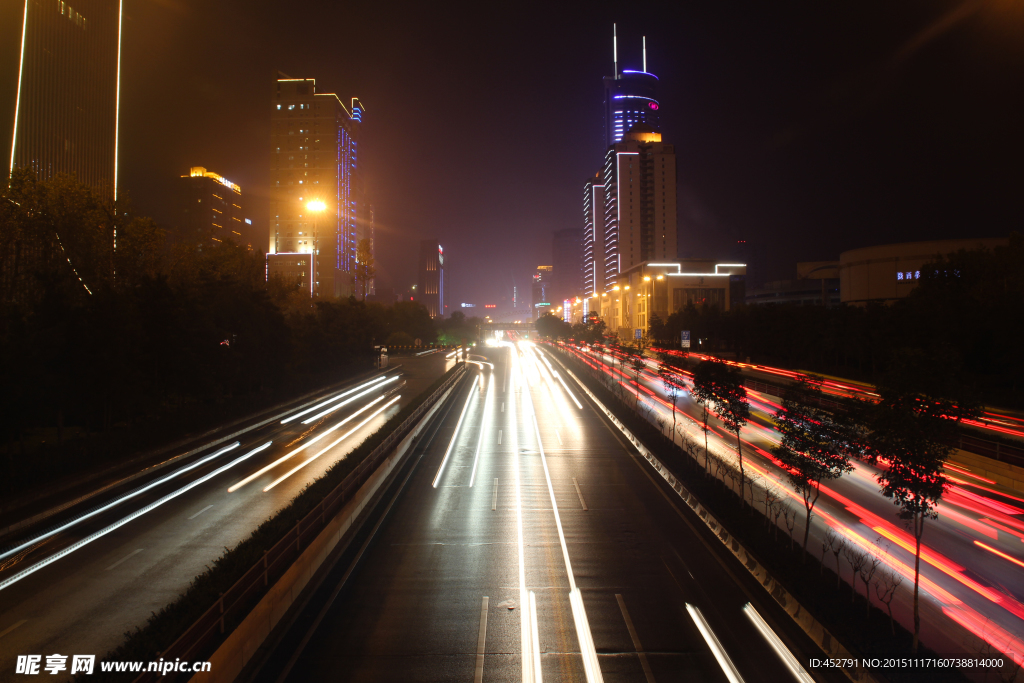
x=627, y=286
x=316, y=205
x=661, y=277
x=647, y=278
x=615, y=288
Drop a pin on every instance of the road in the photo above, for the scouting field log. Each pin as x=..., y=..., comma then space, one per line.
x=84, y=601
x=531, y=543
x=972, y=593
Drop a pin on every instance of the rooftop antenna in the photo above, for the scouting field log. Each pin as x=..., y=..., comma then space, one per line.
x=645, y=54
x=615, y=51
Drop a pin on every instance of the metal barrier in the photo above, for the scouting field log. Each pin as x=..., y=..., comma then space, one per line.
x=238, y=600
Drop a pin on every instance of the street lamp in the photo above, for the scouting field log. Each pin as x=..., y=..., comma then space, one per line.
x=315, y=207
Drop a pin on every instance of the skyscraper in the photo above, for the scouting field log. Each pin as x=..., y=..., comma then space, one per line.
x=542, y=291
x=211, y=210
x=65, y=111
x=315, y=181
x=431, y=277
x=630, y=97
x=639, y=201
x=593, y=235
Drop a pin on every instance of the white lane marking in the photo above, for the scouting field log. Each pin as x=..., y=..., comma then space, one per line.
x=200, y=512
x=332, y=444
x=117, y=501
x=120, y=523
x=451, y=444
x=347, y=401
x=315, y=439
x=12, y=627
x=559, y=437
x=525, y=631
x=503, y=406
x=480, y=642
x=728, y=668
x=480, y=440
x=333, y=399
x=579, y=493
x=499, y=437
x=125, y=558
x=791, y=662
x=636, y=640
x=579, y=614
x=537, y=675
x=494, y=499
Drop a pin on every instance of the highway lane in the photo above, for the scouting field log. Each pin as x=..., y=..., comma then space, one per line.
x=474, y=578
x=83, y=603
x=970, y=594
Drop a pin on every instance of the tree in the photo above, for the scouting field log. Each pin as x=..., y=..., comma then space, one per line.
x=814, y=445
x=705, y=392
x=671, y=382
x=657, y=329
x=551, y=326
x=923, y=398
x=365, y=270
x=638, y=363
x=734, y=411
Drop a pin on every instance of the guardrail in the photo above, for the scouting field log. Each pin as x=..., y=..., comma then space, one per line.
x=237, y=600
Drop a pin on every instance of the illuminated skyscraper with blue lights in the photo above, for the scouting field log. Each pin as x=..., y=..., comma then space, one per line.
x=630, y=97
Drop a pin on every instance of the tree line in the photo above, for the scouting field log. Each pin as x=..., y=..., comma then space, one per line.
x=106, y=321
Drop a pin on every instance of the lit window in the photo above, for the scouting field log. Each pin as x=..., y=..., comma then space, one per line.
x=291, y=106
x=279, y=106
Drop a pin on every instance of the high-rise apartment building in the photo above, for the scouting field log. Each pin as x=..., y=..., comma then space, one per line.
x=593, y=235
x=639, y=201
x=567, y=260
x=65, y=111
x=315, y=200
x=211, y=210
x=431, y=277
x=630, y=217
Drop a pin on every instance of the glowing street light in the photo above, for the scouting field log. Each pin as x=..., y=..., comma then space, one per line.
x=316, y=205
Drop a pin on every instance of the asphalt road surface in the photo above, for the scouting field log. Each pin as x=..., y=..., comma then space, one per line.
x=85, y=599
x=531, y=543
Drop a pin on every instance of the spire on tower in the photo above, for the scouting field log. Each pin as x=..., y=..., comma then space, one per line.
x=615, y=51
x=645, y=54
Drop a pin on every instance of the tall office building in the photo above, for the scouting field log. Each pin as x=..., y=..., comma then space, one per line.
x=630, y=97
x=431, y=277
x=315, y=205
x=593, y=235
x=542, y=291
x=211, y=210
x=567, y=260
x=639, y=201
x=65, y=111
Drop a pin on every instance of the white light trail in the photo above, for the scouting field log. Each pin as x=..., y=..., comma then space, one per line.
x=331, y=400
x=118, y=501
x=791, y=662
x=120, y=523
x=235, y=487
x=728, y=668
x=483, y=425
x=331, y=445
x=451, y=444
x=348, y=400
x=17, y=99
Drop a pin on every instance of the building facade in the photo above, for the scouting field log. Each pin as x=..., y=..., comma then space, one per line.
x=542, y=291
x=430, y=288
x=210, y=210
x=889, y=272
x=316, y=201
x=630, y=97
x=593, y=235
x=662, y=288
x=639, y=207
x=66, y=107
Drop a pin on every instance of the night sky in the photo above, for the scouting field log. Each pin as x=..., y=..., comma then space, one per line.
x=804, y=128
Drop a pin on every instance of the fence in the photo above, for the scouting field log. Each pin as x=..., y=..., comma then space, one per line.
x=238, y=600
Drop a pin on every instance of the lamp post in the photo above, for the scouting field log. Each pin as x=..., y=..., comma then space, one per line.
x=315, y=207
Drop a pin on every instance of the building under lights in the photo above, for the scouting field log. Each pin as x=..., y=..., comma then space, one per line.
x=66, y=107
x=314, y=159
x=630, y=98
x=629, y=209
x=430, y=291
x=542, y=294
x=211, y=210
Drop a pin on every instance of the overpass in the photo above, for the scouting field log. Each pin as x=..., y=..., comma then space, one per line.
x=518, y=327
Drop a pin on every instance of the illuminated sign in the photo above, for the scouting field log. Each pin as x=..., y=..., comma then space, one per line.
x=490, y=305
x=469, y=305
x=653, y=105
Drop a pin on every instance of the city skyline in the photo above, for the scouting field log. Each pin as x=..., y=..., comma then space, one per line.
x=774, y=161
